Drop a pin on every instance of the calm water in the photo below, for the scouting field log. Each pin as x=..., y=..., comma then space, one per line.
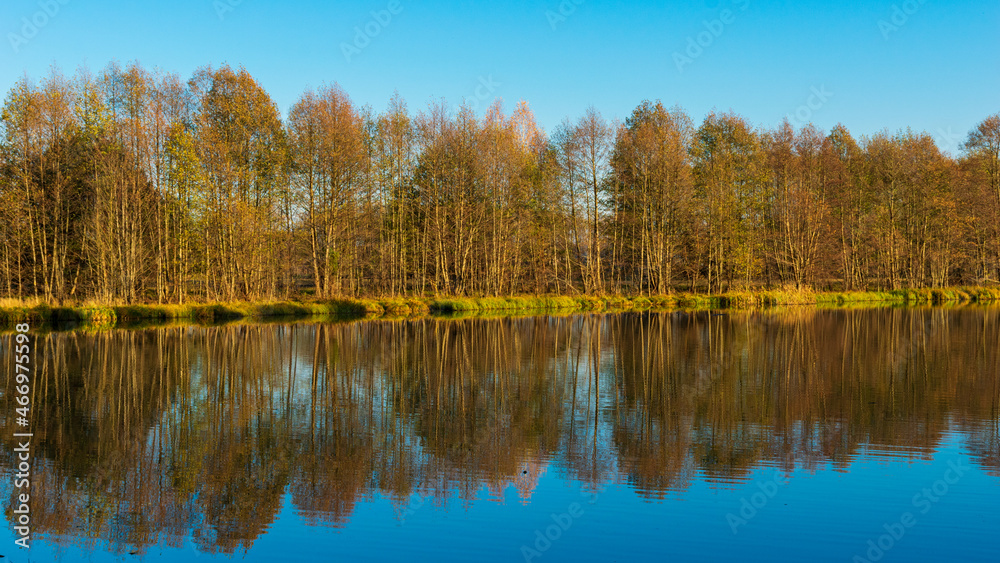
x=797, y=435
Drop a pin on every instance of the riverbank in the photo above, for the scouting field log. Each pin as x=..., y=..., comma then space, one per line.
x=110, y=315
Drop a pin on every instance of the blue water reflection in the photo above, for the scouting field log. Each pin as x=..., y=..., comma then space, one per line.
x=798, y=435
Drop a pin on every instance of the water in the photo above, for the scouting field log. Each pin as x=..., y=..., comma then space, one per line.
x=795, y=435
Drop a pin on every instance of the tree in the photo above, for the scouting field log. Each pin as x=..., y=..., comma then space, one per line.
x=842, y=163
x=800, y=210
x=731, y=185
x=983, y=153
x=653, y=189
x=241, y=145
x=325, y=134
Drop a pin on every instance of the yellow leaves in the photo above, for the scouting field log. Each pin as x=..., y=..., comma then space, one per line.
x=525, y=126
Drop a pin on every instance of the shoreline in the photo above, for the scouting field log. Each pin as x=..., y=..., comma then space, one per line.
x=108, y=316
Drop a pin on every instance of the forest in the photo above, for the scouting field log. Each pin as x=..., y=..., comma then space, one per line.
x=134, y=186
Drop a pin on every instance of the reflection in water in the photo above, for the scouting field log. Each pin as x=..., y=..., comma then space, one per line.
x=147, y=437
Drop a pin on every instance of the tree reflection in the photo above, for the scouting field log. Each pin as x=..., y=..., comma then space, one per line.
x=147, y=437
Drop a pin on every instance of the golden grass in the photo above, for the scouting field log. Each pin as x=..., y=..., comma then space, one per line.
x=99, y=314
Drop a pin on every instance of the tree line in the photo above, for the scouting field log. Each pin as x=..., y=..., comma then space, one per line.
x=133, y=185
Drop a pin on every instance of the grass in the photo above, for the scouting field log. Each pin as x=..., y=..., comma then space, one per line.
x=101, y=315
x=912, y=296
x=538, y=303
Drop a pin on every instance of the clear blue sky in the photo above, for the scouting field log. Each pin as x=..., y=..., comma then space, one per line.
x=938, y=71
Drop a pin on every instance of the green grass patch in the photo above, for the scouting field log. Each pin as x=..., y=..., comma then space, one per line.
x=104, y=316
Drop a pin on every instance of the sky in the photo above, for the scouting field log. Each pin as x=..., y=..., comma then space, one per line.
x=931, y=65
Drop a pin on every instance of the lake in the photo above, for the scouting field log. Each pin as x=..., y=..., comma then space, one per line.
x=798, y=434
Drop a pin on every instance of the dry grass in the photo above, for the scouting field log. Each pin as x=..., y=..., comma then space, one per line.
x=10, y=303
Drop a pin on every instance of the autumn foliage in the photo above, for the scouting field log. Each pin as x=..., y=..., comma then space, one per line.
x=135, y=186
